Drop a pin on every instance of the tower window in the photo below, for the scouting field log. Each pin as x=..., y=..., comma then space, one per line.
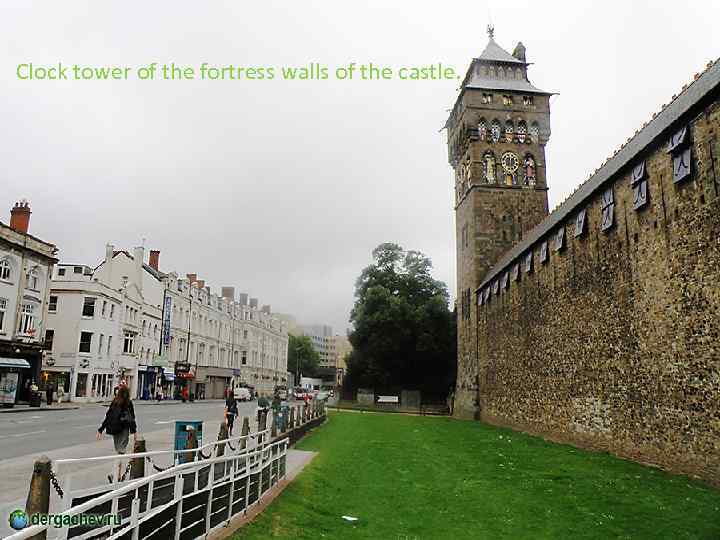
x=534, y=133
x=495, y=131
x=527, y=100
x=508, y=99
x=509, y=131
x=521, y=131
x=529, y=170
x=489, y=168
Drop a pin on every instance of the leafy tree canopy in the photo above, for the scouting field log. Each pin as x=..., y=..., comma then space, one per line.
x=404, y=334
x=300, y=349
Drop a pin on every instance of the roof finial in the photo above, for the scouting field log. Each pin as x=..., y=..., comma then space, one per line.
x=491, y=31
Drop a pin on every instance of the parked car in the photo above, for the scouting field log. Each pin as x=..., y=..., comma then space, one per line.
x=242, y=394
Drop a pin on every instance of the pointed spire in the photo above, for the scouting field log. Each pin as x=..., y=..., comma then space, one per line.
x=491, y=31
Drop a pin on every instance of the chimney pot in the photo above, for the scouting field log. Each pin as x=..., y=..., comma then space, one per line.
x=155, y=259
x=20, y=216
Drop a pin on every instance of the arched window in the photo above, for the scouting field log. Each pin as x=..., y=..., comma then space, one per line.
x=509, y=131
x=495, y=131
x=501, y=73
x=32, y=280
x=529, y=170
x=5, y=270
x=489, y=168
x=521, y=131
x=482, y=129
x=534, y=132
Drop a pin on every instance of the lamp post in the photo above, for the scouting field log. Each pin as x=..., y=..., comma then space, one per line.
x=297, y=364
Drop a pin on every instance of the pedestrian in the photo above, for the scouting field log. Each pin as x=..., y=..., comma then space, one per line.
x=49, y=392
x=119, y=422
x=231, y=411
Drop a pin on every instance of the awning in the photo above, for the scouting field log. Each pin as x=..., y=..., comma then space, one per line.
x=14, y=363
x=168, y=374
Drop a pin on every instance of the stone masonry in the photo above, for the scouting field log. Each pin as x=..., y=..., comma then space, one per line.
x=601, y=326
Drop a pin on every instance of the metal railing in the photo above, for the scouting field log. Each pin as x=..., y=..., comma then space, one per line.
x=222, y=478
x=188, y=500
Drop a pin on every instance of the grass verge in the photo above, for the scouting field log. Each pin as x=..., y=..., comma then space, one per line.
x=412, y=477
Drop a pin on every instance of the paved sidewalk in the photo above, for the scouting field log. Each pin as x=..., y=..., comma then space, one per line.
x=28, y=408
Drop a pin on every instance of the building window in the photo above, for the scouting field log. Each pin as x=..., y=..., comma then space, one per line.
x=5, y=270
x=88, y=307
x=32, y=280
x=527, y=100
x=100, y=344
x=104, y=308
x=534, y=134
x=49, y=337
x=61, y=271
x=27, y=321
x=128, y=343
x=85, y=342
x=608, y=210
x=244, y=358
x=52, y=305
x=77, y=269
x=3, y=309
x=112, y=310
x=109, y=346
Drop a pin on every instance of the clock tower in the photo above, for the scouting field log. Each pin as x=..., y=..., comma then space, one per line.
x=497, y=132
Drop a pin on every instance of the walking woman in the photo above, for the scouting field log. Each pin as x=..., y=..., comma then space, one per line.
x=119, y=422
x=231, y=411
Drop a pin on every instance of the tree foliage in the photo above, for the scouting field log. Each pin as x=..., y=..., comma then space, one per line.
x=404, y=334
x=301, y=348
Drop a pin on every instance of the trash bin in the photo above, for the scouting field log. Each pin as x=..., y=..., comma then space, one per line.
x=182, y=431
x=35, y=399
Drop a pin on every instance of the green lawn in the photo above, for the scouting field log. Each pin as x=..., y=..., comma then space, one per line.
x=408, y=477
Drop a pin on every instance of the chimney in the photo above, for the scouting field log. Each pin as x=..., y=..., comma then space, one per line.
x=200, y=283
x=266, y=309
x=228, y=292
x=138, y=259
x=254, y=303
x=192, y=278
x=243, y=299
x=155, y=259
x=20, y=216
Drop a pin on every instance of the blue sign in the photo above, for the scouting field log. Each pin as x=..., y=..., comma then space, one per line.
x=166, y=320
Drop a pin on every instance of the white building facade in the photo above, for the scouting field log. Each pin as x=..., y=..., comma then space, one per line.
x=158, y=333
x=26, y=265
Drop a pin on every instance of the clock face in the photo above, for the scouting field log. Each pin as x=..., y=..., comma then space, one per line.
x=495, y=132
x=509, y=162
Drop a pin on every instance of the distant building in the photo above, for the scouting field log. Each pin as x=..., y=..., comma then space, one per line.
x=321, y=337
x=26, y=264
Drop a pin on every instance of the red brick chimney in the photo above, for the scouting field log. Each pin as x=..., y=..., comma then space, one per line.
x=155, y=259
x=192, y=278
x=20, y=216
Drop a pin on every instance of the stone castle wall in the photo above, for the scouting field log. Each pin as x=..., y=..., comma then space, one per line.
x=613, y=342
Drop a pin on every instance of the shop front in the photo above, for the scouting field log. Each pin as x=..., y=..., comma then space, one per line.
x=216, y=381
x=19, y=368
x=147, y=379
x=59, y=379
x=167, y=382
x=12, y=379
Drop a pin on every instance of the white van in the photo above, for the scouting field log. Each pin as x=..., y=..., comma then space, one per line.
x=241, y=393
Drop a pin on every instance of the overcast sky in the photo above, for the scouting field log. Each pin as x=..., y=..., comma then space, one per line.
x=282, y=189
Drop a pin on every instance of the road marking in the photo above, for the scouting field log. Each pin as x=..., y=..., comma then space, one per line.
x=29, y=433
x=85, y=426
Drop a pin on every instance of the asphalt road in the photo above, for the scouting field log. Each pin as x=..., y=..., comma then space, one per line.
x=27, y=433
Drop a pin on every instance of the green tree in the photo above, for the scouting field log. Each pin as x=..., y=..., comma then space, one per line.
x=300, y=348
x=404, y=334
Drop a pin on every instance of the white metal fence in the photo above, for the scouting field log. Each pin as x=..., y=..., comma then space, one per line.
x=183, y=502
x=210, y=485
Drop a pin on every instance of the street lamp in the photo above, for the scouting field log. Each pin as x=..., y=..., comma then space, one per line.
x=297, y=364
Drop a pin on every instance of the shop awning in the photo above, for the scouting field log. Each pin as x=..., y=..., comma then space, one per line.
x=14, y=363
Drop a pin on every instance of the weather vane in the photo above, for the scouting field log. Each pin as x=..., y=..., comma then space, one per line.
x=491, y=30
